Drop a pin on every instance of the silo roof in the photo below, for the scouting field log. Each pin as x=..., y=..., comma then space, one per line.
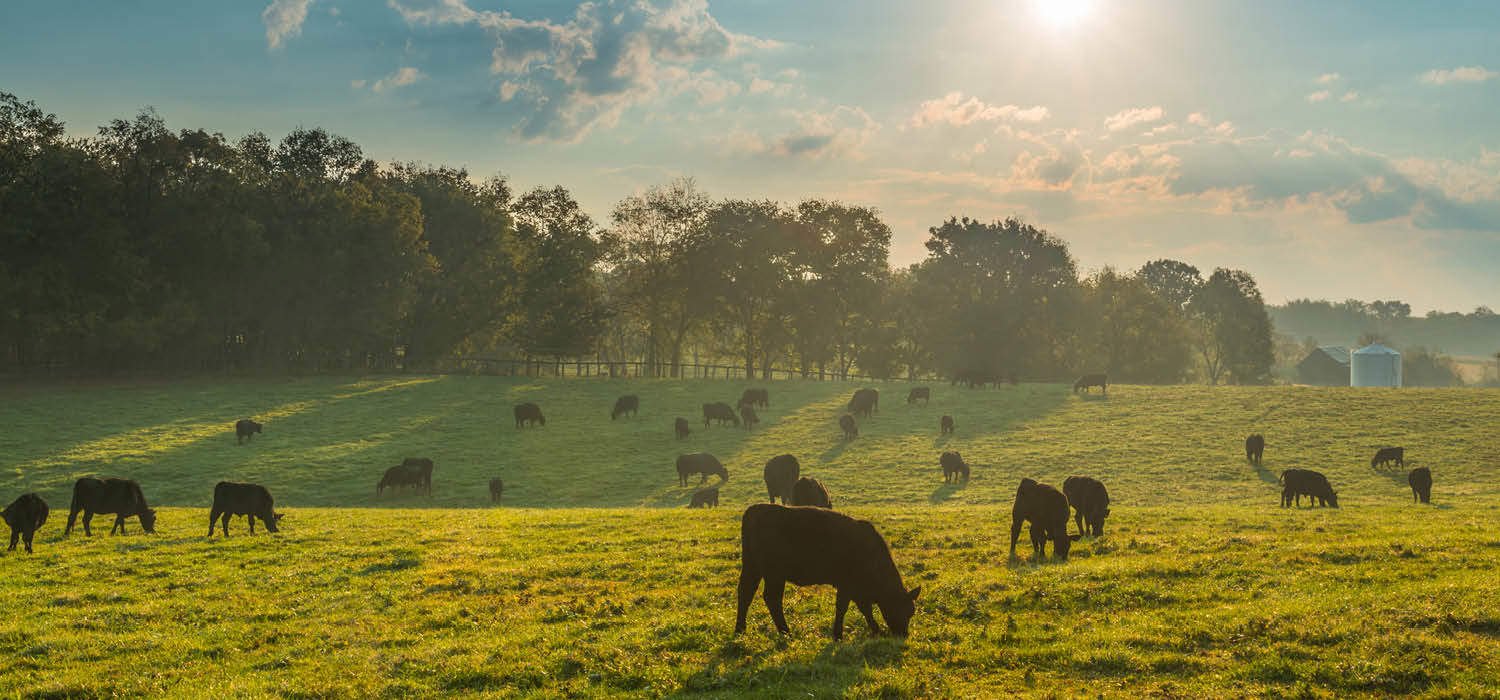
x=1375, y=349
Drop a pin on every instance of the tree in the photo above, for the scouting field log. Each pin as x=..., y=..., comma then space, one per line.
x=1233, y=329
x=562, y=310
x=1134, y=334
x=1174, y=282
x=841, y=257
x=749, y=244
x=1390, y=311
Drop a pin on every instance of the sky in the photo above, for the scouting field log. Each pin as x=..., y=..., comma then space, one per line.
x=1333, y=149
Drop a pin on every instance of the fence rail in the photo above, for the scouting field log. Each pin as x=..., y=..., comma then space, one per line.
x=514, y=367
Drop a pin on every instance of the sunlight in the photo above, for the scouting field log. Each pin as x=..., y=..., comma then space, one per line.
x=1063, y=14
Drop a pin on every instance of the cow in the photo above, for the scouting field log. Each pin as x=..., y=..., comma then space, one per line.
x=1046, y=509
x=1255, y=447
x=954, y=467
x=813, y=546
x=681, y=428
x=25, y=516
x=810, y=492
x=422, y=466
x=245, y=430
x=851, y=429
x=747, y=414
x=399, y=475
x=497, y=489
x=250, y=500
x=1385, y=455
x=756, y=397
x=974, y=378
x=864, y=402
x=946, y=425
x=1092, y=380
x=1090, y=501
x=119, y=497
x=721, y=412
x=781, y=475
x=923, y=393
x=1296, y=483
x=629, y=403
x=705, y=498
x=529, y=414
x=1420, y=480
x=699, y=463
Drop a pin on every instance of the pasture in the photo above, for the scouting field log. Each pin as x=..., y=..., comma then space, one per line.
x=591, y=579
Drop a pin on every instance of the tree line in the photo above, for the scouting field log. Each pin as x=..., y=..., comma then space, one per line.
x=143, y=248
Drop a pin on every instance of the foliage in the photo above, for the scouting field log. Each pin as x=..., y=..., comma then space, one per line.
x=1421, y=367
x=1234, y=330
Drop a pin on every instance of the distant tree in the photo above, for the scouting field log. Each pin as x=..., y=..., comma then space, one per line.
x=1174, y=281
x=1421, y=367
x=1389, y=311
x=1132, y=333
x=562, y=311
x=1233, y=330
x=1372, y=338
x=841, y=260
x=750, y=245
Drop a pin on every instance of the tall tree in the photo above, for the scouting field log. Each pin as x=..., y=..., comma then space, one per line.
x=1174, y=281
x=1234, y=330
x=562, y=311
x=1133, y=333
x=842, y=265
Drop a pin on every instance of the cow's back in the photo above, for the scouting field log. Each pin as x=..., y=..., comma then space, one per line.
x=807, y=546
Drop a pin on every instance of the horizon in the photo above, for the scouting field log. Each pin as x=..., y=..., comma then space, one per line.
x=1334, y=152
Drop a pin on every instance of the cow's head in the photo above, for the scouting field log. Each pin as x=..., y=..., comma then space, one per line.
x=1333, y=498
x=899, y=610
x=1063, y=543
x=273, y=522
x=148, y=520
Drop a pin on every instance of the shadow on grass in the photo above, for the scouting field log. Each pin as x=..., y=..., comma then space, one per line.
x=1265, y=474
x=837, y=667
x=946, y=491
x=838, y=448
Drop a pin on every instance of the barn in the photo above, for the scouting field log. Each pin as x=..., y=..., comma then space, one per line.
x=1328, y=365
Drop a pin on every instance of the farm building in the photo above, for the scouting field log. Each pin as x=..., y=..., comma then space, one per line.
x=1375, y=365
x=1326, y=366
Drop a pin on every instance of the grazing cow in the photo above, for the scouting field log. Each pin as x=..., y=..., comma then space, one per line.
x=975, y=378
x=1046, y=509
x=812, y=546
x=1296, y=483
x=1420, y=480
x=120, y=497
x=497, y=489
x=250, y=500
x=244, y=430
x=756, y=397
x=400, y=475
x=747, y=414
x=1255, y=447
x=705, y=498
x=1090, y=501
x=864, y=402
x=954, y=467
x=946, y=425
x=699, y=463
x=721, y=412
x=1385, y=455
x=851, y=429
x=921, y=392
x=529, y=414
x=1092, y=380
x=422, y=466
x=25, y=516
x=810, y=492
x=781, y=475
x=629, y=403
x=681, y=427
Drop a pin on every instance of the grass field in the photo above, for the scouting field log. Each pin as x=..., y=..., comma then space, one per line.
x=585, y=583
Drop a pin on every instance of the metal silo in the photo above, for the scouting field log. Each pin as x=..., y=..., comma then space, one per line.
x=1375, y=365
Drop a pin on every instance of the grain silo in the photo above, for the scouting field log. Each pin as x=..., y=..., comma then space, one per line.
x=1375, y=365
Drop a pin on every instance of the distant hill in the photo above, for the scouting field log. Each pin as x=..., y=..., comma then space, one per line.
x=1474, y=334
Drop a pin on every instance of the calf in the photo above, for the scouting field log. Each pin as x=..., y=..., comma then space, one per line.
x=781, y=475
x=1046, y=509
x=721, y=412
x=1296, y=483
x=705, y=498
x=245, y=429
x=1092, y=380
x=954, y=467
x=680, y=426
x=1255, y=447
x=921, y=393
x=250, y=500
x=810, y=492
x=747, y=414
x=120, y=497
x=756, y=397
x=813, y=546
x=699, y=463
x=1385, y=455
x=946, y=425
x=629, y=403
x=1420, y=480
x=497, y=489
x=1090, y=501
x=864, y=402
x=25, y=516
x=529, y=414
x=851, y=429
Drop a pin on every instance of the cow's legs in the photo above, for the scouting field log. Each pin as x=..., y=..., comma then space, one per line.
x=119, y=523
x=251, y=517
x=1015, y=534
x=869, y=613
x=27, y=535
x=749, y=580
x=839, y=608
x=87, y=518
x=213, y=519
x=16, y=535
x=773, y=593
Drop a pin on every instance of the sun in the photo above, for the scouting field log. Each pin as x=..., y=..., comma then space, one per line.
x=1063, y=14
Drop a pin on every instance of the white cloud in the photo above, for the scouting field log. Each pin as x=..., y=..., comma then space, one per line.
x=283, y=20
x=1329, y=78
x=1349, y=96
x=1319, y=96
x=406, y=75
x=1466, y=74
x=1131, y=117
x=357, y=84
x=954, y=110
x=837, y=133
x=1198, y=119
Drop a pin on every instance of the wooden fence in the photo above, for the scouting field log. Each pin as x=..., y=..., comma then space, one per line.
x=625, y=369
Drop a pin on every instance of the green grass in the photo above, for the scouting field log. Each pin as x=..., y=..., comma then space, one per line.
x=585, y=584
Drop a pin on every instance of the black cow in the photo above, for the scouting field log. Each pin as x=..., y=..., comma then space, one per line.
x=699, y=463
x=810, y=492
x=864, y=402
x=756, y=397
x=705, y=498
x=422, y=466
x=1255, y=448
x=721, y=412
x=1296, y=483
x=400, y=475
x=851, y=429
x=250, y=500
x=25, y=516
x=1046, y=509
x=923, y=393
x=245, y=430
x=1385, y=455
x=119, y=497
x=954, y=467
x=1090, y=501
x=1420, y=480
x=497, y=489
x=781, y=475
x=946, y=425
x=813, y=546
x=747, y=414
x=681, y=428
x=529, y=414
x=1092, y=380
x=629, y=403
x=975, y=378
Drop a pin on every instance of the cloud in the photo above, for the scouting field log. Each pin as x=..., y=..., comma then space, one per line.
x=1349, y=96
x=406, y=75
x=1328, y=78
x=817, y=134
x=1319, y=96
x=357, y=84
x=954, y=110
x=1131, y=117
x=1466, y=74
x=283, y=20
